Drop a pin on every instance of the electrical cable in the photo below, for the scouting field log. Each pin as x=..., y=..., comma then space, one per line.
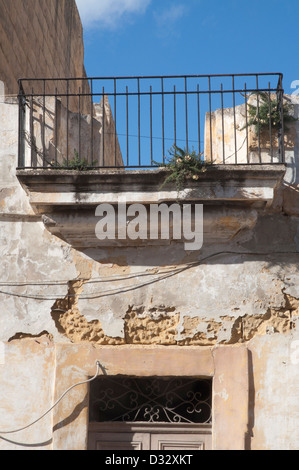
x=112, y=277
x=56, y=403
x=162, y=275
x=91, y=295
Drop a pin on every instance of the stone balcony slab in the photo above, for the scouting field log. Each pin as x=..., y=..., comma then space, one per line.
x=67, y=200
x=219, y=183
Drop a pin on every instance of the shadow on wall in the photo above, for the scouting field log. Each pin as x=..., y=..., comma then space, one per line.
x=58, y=137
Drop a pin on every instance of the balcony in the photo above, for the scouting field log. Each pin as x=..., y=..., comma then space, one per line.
x=131, y=122
x=87, y=141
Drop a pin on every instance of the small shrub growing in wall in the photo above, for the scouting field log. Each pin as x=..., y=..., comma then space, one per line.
x=182, y=166
x=76, y=163
x=268, y=113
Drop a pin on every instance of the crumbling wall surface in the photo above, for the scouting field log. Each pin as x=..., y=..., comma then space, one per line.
x=39, y=39
x=202, y=305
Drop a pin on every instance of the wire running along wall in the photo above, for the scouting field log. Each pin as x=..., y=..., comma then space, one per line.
x=132, y=122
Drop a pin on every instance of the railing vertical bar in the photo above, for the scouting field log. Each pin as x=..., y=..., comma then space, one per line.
x=92, y=123
x=174, y=113
x=31, y=128
x=282, y=130
x=163, y=136
x=103, y=128
x=234, y=108
x=127, y=120
x=258, y=118
x=44, y=123
x=67, y=122
x=281, y=127
x=151, y=123
x=246, y=123
x=56, y=126
x=139, y=147
x=21, y=160
x=198, y=120
x=20, y=163
x=186, y=114
x=115, y=155
x=210, y=117
x=270, y=123
x=222, y=118
x=79, y=123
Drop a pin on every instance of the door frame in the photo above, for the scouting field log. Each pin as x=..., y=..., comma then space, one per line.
x=227, y=365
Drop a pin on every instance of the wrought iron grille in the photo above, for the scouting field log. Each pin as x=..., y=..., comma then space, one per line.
x=151, y=400
x=132, y=122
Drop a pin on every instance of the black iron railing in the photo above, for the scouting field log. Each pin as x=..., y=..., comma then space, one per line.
x=132, y=122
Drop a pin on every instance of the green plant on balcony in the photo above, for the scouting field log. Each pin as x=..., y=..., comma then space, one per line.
x=183, y=166
x=267, y=113
x=76, y=163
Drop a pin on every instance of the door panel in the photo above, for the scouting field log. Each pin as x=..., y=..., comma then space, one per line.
x=179, y=442
x=120, y=441
x=149, y=438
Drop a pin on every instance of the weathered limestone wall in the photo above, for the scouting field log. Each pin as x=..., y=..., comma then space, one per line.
x=273, y=391
x=27, y=383
x=41, y=38
x=48, y=124
x=232, y=140
x=60, y=309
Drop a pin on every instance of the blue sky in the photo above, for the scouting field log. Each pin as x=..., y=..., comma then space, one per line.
x=164, y=37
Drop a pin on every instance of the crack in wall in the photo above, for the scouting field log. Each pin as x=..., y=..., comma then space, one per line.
x=43, y=335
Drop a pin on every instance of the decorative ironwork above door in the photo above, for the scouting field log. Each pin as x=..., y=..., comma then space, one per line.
x=151, y=399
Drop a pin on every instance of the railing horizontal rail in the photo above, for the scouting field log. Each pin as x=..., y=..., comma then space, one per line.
x=133, y=77
x=137, y=119
x=148, y=93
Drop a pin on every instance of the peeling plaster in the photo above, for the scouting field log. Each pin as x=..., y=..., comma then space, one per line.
x=165, y=325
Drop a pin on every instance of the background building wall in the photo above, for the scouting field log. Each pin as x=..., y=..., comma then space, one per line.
x=39, y=38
